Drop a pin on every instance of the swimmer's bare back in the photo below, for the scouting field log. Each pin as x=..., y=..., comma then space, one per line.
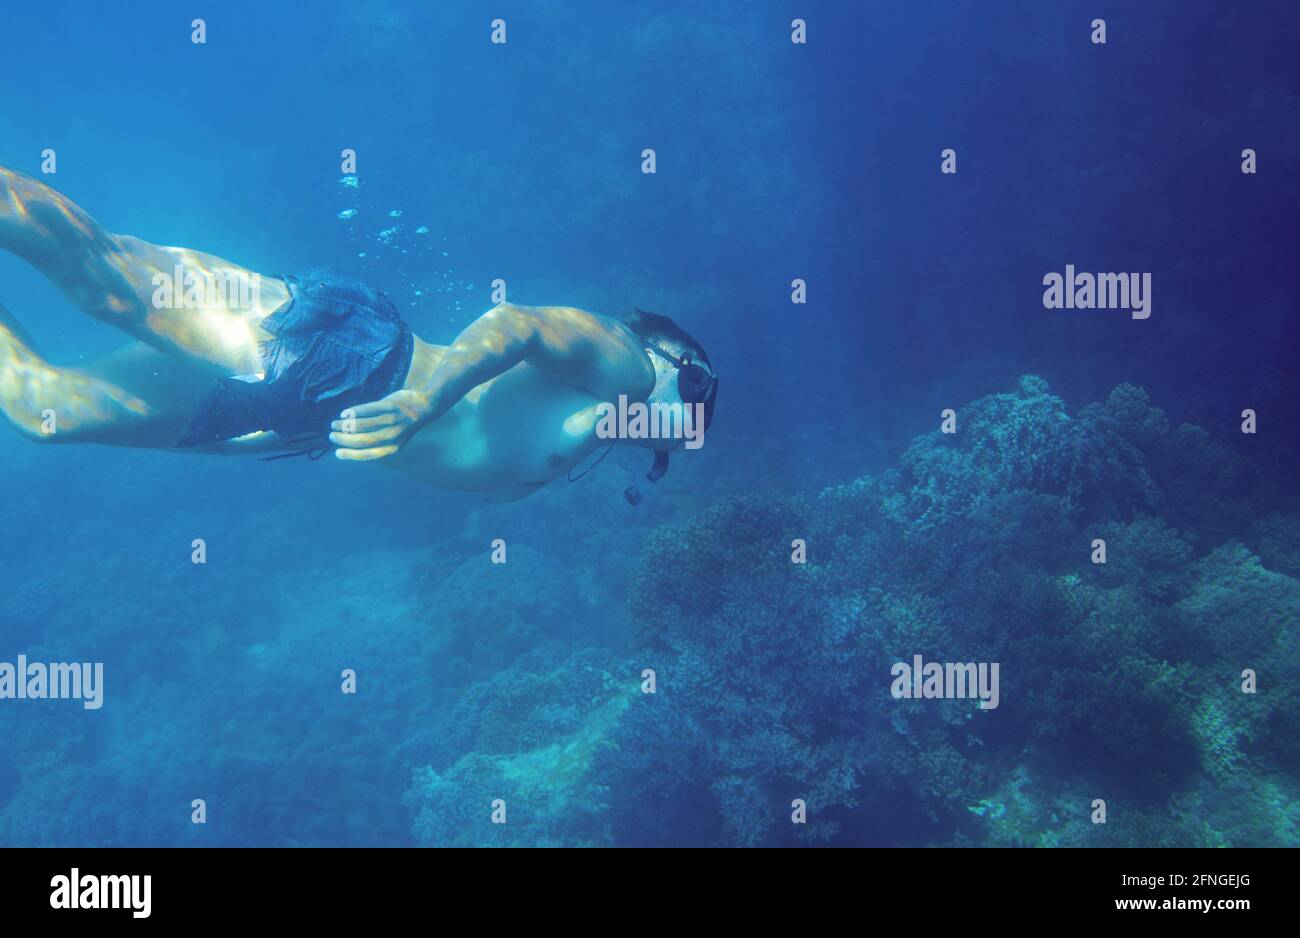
x=508, y=406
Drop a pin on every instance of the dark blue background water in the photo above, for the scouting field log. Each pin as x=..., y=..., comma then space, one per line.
x=775, y=161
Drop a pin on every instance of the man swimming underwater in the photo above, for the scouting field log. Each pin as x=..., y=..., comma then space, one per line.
x=323, y=360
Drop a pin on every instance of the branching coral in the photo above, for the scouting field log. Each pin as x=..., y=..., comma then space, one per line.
x=773, y=675
x=977, y=547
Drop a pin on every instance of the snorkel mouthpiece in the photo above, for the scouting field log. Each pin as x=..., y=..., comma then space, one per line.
x=660, y=467
x=657, y=472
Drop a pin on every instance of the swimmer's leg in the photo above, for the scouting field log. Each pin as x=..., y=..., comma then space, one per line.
x=119, y=280
x=133, y=396
x=48, y=404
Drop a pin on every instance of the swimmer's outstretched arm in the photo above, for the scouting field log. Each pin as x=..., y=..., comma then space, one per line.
x=572, y=346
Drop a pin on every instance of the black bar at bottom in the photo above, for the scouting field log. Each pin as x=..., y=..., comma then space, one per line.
x=335, y=887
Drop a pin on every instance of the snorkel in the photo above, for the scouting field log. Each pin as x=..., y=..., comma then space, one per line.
x=695, y=385
x=658, y=470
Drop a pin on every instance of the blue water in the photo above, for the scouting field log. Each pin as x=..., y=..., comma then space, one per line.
x=524, y=681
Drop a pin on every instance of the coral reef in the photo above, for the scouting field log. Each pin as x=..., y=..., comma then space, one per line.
x=1119, y=680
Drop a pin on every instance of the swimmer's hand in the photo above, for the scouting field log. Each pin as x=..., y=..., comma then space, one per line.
x=567, y=345
x=381, y=428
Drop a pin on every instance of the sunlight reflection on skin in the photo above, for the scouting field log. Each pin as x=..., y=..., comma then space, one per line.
x=111, y=277
x=29, y=388
x=205, y=314
x=220, y=334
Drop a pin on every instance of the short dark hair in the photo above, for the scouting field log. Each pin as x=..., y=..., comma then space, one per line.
x=659, y=330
